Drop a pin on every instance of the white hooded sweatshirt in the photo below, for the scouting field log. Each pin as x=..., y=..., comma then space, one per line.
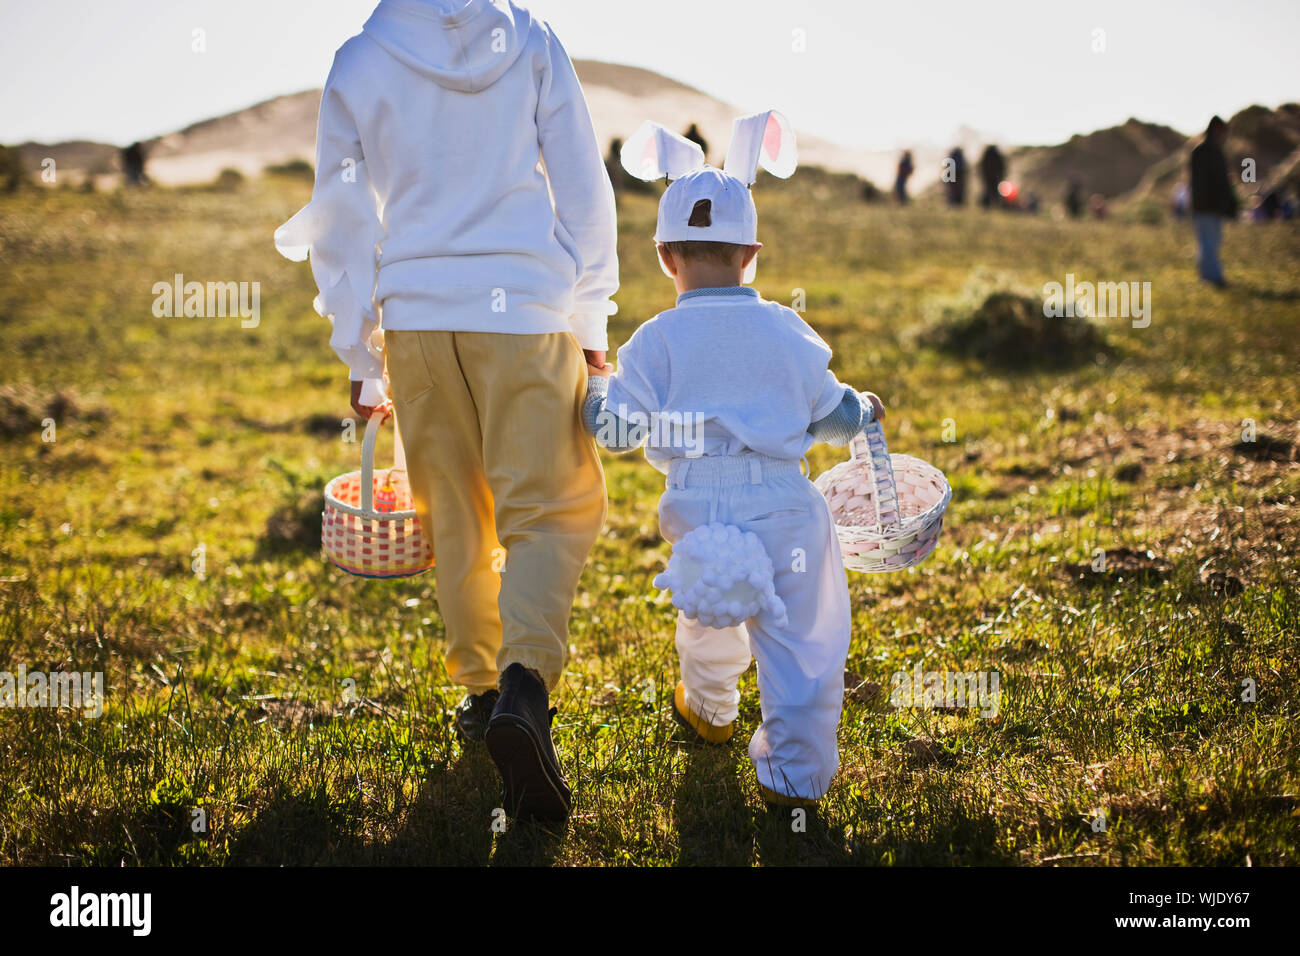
x=435, y=124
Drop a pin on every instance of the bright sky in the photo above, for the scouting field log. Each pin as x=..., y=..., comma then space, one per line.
x=870, y=74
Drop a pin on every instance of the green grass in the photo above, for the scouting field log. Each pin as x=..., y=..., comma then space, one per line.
x=226, y=691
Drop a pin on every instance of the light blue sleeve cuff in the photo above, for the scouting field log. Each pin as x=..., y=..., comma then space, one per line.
x=848, y=418
x=611, y=432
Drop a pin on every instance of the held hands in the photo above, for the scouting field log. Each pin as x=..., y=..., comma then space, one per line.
x=877, y=406
x=366, y=411
x=596, y=364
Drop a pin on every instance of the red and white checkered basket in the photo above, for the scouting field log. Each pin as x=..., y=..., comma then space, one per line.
x=363, y=540
x=888, y=509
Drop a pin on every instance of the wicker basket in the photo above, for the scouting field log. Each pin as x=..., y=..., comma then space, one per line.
x=888, y=509
x=366, y=541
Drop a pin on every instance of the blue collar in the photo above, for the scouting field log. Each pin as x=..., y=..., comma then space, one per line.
x=741, y=290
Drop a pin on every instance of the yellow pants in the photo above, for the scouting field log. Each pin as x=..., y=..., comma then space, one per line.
x=509, y=482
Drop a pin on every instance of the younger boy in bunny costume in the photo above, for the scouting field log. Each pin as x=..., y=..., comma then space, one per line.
x=730, y=390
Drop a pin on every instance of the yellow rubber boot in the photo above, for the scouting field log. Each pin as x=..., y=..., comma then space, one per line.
x=772, y=798
x=709, y=733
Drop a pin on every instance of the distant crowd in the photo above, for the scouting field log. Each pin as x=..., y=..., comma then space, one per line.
x=1206, y=194
x=997, y=191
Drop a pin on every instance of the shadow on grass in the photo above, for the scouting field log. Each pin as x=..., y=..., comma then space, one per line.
x=529, y=844
x=709, y=813
x=716, y=825
x=294, y=527
x=451, y=823
x=310, y=827
x=447, y=823
x=942, y=831
x=790, y=837
x=1271, y=294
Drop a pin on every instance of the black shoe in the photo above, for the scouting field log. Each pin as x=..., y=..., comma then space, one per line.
x=519, y=740
x=473, y=714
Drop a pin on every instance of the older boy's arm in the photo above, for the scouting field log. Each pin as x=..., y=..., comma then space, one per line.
x=611, y=432
x=343, y=246
x=584, y=198
x=340, y=229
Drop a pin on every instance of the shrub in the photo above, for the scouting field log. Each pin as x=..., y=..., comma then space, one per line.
x=293, y=169
x=228, y=180
x=1008, y=328
x=12, y=172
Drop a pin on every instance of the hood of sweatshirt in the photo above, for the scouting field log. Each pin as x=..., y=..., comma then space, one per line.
x=463, y=45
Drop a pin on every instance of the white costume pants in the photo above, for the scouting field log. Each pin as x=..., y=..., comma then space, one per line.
x=801, y=665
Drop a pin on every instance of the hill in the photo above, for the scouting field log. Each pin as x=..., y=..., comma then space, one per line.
x=1270, y=137
x=1109, y=161
x=284, y=128
x=83, y=157
x=1136, y=160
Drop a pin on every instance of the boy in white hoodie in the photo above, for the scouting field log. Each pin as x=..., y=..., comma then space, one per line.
x=494, y=277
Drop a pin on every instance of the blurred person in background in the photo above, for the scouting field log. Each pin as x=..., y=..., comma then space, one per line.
x=955, y=188
x=1286, y=209
x=992, y=168
x=133, y=160
x=1182, y=198
x=1213, y=200
x=695, y=136
x=1074, y=198
x=905, y=170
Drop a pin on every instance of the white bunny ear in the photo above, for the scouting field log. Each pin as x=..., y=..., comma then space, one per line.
x=763, y=139
x=653, y=152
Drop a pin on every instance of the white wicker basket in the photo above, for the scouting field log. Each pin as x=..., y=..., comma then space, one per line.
x=888, y=509
x=363, y=540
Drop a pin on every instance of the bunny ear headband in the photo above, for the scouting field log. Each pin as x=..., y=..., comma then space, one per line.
x=703, y=204
x=761, y=139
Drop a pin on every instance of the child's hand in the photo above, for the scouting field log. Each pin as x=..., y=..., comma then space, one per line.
x=604, y=371
x=877, y=406
x=365, y=411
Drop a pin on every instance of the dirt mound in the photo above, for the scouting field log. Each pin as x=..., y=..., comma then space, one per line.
x=1267, y=447
x=294, y=526
x=1120, y=565
x=1222, y=584
x=1009, y=330
x=23, y=410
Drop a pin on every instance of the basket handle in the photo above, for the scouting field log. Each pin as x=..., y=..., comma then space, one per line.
x=368, y=461
x=868, y=447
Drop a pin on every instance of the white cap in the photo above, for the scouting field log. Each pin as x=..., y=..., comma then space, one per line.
x=704, y=204
x=707, y=205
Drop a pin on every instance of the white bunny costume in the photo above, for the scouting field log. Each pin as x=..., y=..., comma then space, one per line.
x=740, y=380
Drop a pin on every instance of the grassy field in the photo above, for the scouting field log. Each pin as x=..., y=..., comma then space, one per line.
x=1121, y=691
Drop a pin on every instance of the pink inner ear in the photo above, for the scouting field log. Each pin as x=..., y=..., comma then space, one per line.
x=772, y=138
x=648, y=154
